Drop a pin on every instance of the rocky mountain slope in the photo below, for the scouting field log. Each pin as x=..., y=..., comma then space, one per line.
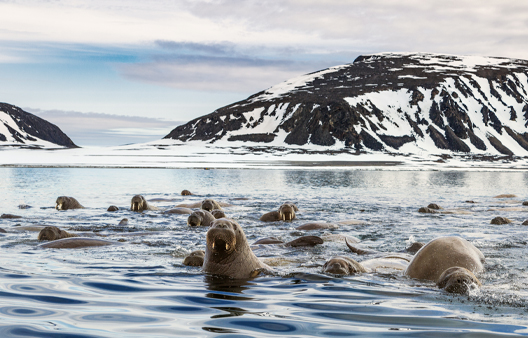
x=398, y=103
x=20, y=128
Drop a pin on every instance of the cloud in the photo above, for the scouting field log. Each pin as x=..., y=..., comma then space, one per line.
x=97, y=129
x=224, y=66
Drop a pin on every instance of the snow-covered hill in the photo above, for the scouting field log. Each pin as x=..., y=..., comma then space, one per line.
x=390, y=102
x=22, y=129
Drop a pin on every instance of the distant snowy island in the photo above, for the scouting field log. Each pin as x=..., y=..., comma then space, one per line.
x=412, y=110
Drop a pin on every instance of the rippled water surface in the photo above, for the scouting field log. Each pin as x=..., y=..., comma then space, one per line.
x=139, y=287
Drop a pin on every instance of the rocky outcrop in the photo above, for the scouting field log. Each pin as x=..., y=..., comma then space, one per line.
x=385, y=102
x=18, y=127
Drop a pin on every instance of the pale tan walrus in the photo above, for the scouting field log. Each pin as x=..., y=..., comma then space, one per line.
x=76, y=243
x=434, y=261
x=228, y=253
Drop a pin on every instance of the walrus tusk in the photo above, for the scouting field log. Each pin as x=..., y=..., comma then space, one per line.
x=59, y=206
x=212, y=245
x=227, y=246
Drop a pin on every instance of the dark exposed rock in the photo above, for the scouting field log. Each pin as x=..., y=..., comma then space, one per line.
x=499, y=146
x=266, y=138
x=34, y=127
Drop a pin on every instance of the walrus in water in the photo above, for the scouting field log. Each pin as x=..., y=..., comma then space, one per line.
x=286, y=212
x=195, y=258
x=228, y=253
x=66, y=203
x=218, y=214
x=140, y=204
x=75, y=243
x=210, y=205
x=200, y=218
x=341, y=265
x=186, y=192
x=51, y=233
x=436, y=259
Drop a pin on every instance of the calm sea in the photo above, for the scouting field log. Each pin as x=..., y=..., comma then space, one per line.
x=139, y=287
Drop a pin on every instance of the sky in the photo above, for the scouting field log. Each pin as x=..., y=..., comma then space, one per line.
x=112, y=72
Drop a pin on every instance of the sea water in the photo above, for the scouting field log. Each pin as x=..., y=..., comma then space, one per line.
x=139, y=286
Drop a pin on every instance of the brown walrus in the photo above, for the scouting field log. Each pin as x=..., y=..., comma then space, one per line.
x=112, y=208
x=75, y=243
x=66, y=203
x=195, y=258
x=51, y=233
x=341, y=265
x=218, y=214
x=186, y=192
x=210, y=204
x=440, y=254
x=179, y=211
x=228, y=253
x=140, y=204
x=200, y=218
x=286, y=212
x=10, y=216
x=317, y=226
x=457, y=280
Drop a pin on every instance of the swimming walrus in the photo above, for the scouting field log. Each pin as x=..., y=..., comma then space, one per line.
x=433, y=260
x=66, y=203
x=10, y=216
x=186, y=192
x=140, y=204
x=228, y=253
x=286, y=212
x=75, y=243
x=195, y=258
x=179, y=211
x=207, y=204
x=112, y=208
x=218, y=214
x=200, y=218
x=51, y=233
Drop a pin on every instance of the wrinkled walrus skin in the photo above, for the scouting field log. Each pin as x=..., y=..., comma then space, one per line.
x=140, y=204
x=52, y=233
x=228, y=253
x=66, y=203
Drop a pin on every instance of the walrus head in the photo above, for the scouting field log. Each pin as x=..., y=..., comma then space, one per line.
x=195, y=258
x=138, y=203
x=341, y=265
x=458, y=280
x=61, y=203
x=209, y=204
x=222, y=238
x=196, y=218
x=287, y=211
x=218, y=214
x=51, y=233
x=186, y=192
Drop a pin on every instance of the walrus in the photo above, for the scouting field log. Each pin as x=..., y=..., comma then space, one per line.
x=500, y=221
x=186, y=192
x=140, y=204
x=2, y=231
x=51, y=233
x=228, y=253
x=195, y=258
x=112, y=208
x=268, y=240
x=218, y=214
x=75, y=243
x=66, y=203
x=317, y=226
x=286, y=212
x=179, y=211
x=200, y=218
x=210, y=204
x=440, y=254
x=123, y=222
x=10, y=216
x=341, y=265
x=305, y=241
